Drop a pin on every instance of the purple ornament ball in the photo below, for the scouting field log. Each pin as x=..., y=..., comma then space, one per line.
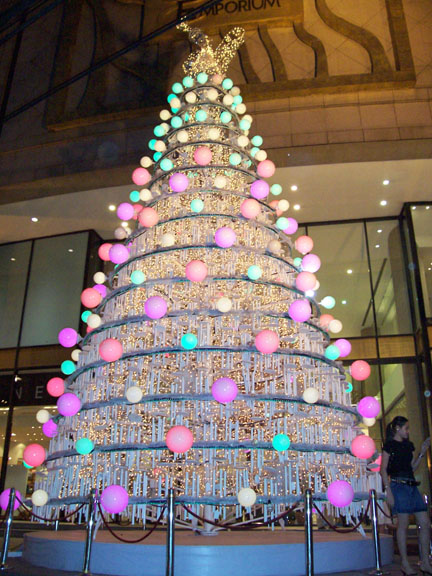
x=102, y=289
x=114, y=499
x=50, y=429
x=68, y=337
x=224, y=390
x=225, y=237
x=369, y=407
x=300, y=310
x=118, y=253
x=125, y=211
x=340, y=493
x=344, y=347
x=178, y=182
x=155, y=307
x=4, y=499
x=68, y=404
x=259, y=189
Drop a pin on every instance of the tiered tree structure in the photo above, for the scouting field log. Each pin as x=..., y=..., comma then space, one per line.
x=207, y=365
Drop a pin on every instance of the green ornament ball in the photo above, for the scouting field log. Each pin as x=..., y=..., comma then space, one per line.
x=189, y=341
x=134, y=196
x=257, y=140
x=201, y=116
x=282, y=223
x=225, y=117
x=235, y=159
x=177, y=88
x=170, y=97
x=202, y=77
x=276, y=189
x=67, y=367
x=244, y=124
x=85, y=315
x=188, y=82
x=157, y=156
x=84, y=446
x=159, y=131
x=176, y=122
x=197, y=205
x=152, y=143
x=254, y=272
x=227, y=84
x=281, y=442
x=297, y=262
x=166, y=165
x=332, y=352
x=137, y=277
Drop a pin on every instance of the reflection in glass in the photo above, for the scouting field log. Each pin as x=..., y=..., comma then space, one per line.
x=422, y=221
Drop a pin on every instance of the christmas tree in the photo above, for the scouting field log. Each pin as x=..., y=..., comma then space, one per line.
x=207, y=365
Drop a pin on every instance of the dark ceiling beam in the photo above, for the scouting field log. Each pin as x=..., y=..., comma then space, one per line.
x=111, y=58
x=12, y=15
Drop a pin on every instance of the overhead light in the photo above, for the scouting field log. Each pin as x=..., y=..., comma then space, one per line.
x=34, y=219
x=383, y=202
x=379, y=230
x=377, y=245
x=429, y=268
x=13, y=434
x=124, y=224
x=111, y=207
x=13, y=259
x=349, y=271
x=414, y=207
x=70, y=249
x=386, y=182
x=427, y=207
x=294, y=188
x=344, y=301
x=296, y=206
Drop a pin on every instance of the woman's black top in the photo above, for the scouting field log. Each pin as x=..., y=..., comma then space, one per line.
x=401, y=455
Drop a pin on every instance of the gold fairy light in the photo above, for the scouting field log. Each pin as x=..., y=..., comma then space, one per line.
x=207, y=59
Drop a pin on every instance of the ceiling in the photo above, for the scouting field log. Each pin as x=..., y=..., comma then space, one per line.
x=325, y=193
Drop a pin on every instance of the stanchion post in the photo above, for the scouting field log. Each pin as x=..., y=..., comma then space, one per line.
x=170, y=534
x=309, y=533
x=8, y=528
x=377, y=547
x=91, y=525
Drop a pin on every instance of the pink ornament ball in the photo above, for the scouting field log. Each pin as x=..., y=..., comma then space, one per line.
x=196, y=271
x=118, y=253
x=68, y=337
x=155, y=307
x=148, y=217
x=224, y=390
x=4, y=499
x=292, y=226
x=34, y=455
x=363, y=447
x=259, y=189
x=68, y=404
x=50, y=429
x=178, y=182
x=55, y=387
x=110, y=350
x=141, y=176
x=266, y=169
x=305, y=281
x=267, y=341
x=203, y=155
x=344, y=347
x=137, y=209
x=217, y=78
x=250, y=208
x=90, y=298
x=340, y=493
x=103, y=251
x=179, y=439
x=325, y=319
x=114, y=499
x=311, y=263
x=304, y=244
x=125, y=211
x=360, y=370
x=225, y=237
x=369, y=407
x=274, y=204
x=376, y=464
x=101, y=289
x=300, y=310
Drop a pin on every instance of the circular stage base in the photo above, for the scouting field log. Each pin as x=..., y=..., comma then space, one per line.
x=253, y=553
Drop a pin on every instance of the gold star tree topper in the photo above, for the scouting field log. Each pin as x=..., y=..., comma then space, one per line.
x=207, y=59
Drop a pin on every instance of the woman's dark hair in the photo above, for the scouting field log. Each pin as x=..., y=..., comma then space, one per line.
x=397, y=422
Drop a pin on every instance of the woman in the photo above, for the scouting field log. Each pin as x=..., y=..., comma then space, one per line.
x=397, y=471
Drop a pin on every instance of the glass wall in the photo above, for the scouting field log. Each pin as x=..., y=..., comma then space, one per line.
x=422, y=223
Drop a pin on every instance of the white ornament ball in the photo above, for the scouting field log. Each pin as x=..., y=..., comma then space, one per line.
x=166, y=127
x=190, y=97
x=182, y=136
x=335, y=326
x=274, y=246
x=220, y=181
x=317, y=285
x=248, y=117
x=160, y=146
x=120, y=233
x=243, y=141
x=99, y=278
x=228, y=100
x=241, y=108
x=42, y=416
x=134, y=394
x=165, y=114
x=94, y=321
x=39, y=498
x=145, y=195
x=310, y=395
x=261, y=155
x=212, y=94
x=146, y=161
x=369, y=422
x=175, y=103
x=76, y=354
x=167, y=240
x=246, y=497
x=214, y=134
x=235, y=91
x=283, y=205
x=224, y=304
x=128, y=230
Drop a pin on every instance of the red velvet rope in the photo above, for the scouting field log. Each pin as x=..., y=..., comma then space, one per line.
x=131, y=541
x=49, y=519
x=343, y=530
x=385, y=513
x=234, y=525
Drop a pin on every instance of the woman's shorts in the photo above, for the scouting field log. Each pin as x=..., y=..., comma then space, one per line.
x=407, y=499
